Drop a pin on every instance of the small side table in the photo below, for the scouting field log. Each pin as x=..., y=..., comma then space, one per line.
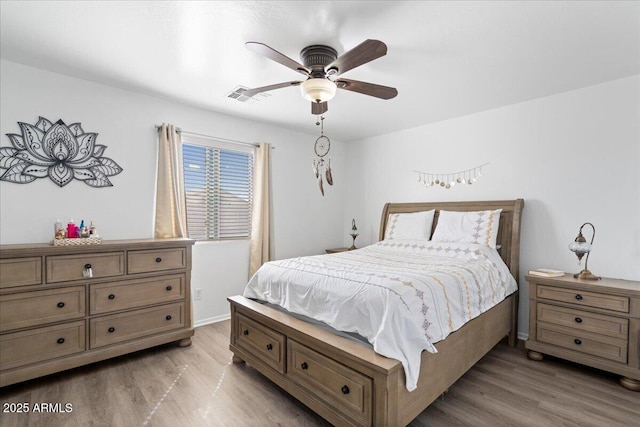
x=592, y=322
x=336, y=250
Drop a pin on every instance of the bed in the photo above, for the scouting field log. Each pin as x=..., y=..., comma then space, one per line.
x=348, y=383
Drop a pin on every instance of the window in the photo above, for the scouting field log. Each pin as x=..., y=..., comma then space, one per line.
x=218, y=182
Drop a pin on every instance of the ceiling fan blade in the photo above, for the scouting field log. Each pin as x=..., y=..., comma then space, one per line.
x=365, y=52
x=379, y=91
x=255, y=91
x=274, y=55
x=319, y=108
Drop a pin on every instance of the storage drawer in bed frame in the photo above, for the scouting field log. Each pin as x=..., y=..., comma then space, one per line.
x=345, y=381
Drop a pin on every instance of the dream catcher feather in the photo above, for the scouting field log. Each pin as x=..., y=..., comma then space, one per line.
x=322, y=166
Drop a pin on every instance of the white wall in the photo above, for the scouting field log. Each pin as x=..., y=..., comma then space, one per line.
x=573, y=157
x=304, y=222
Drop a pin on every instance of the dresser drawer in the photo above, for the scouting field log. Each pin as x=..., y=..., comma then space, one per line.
x=37, y=308
x=584, y=342
x=156, y=260
x=36, y=345
x=611, y=326
x=582, y=298
x=259, y=339
x=341, y=387
x=65, y=268
x=127, y=326
x=108, y=297
x=20, y=272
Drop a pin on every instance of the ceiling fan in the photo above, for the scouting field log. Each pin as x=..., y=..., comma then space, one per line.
x=322, y=66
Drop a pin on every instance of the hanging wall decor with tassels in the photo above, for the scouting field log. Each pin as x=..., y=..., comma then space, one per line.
x=448, y=180
x=322, y=167
x=56, y=151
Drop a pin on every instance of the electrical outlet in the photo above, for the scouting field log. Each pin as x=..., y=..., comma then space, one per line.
x=197, y=294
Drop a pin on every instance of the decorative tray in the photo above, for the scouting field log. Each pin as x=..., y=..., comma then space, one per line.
x=78, y=241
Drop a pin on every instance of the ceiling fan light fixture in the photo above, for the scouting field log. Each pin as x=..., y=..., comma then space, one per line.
x=318, y=89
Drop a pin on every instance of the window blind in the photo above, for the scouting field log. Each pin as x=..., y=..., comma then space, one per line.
x=218, y=191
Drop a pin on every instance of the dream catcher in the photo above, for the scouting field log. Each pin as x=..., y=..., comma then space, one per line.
x=320, y=165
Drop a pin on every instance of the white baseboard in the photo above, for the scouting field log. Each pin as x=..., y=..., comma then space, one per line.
x=211, y=320
x=523, y=336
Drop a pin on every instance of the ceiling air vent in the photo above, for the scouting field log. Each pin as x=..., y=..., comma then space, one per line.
x=238, y=95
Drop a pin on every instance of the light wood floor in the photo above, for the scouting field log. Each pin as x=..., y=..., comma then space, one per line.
x=199, y=386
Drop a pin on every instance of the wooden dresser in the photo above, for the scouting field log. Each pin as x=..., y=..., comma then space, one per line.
x=67, y=306
x=595, y=323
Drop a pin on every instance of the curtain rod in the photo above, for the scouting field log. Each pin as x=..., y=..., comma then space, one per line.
x=230, y=141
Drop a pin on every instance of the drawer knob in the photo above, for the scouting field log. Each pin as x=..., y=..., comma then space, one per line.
x=345, y=389
x=245, y=332
x=158, y=259
x=168, y=288
x=269, y=347
x=304, y=366
x=577, y=341
x=579, y=297
x=60, y=304
x=111, y=296
x=87, y=266
x=578, y=320
x=60, y=341
x=111, y=330
x=168, y=317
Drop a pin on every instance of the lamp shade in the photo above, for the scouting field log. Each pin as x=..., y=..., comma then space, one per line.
x=318, y=89
x=581, y=247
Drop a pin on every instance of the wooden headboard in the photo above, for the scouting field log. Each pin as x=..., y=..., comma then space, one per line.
x=508, y=231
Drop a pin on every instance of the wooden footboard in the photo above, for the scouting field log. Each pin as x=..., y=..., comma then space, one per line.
x=346, y=382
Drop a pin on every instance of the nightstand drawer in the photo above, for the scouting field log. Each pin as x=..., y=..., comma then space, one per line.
x=610, y=326
x=582, y=298
x=583, y=342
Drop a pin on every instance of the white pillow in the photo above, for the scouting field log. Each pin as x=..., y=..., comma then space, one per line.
x=415, y=225
x=479, y=227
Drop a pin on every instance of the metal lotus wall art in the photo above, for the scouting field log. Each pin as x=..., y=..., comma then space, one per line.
x=58, y=151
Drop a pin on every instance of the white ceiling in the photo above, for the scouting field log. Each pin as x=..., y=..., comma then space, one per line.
x=446, y=59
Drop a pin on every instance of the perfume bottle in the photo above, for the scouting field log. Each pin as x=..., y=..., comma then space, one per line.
x=72, y=229
x=84, y=231
x=58, y=230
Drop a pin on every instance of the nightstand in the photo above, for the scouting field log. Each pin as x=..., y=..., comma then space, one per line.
x=595, y=323
x=336, y=250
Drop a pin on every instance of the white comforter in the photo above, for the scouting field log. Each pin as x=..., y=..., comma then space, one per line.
x=403, y=296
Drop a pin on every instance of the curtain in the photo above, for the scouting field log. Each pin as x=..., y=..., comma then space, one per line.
x=171, y=214
x=260, y=215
